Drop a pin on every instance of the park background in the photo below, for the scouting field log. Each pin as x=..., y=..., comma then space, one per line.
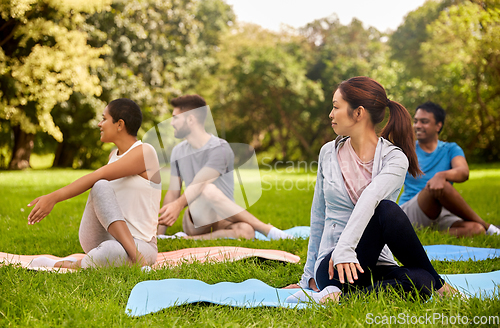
x=61, y=62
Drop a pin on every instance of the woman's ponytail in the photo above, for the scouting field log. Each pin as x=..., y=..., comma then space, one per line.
x=366, y=92
x=399, y=131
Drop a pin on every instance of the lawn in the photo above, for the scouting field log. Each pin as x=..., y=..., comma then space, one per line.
x=98, y=297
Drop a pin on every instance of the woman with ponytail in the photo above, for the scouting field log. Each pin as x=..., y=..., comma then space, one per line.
x=356, y=225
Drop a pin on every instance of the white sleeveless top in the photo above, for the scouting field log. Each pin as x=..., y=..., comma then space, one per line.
x=139, y=199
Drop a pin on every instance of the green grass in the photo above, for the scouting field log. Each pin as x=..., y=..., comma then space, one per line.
x=98, y=297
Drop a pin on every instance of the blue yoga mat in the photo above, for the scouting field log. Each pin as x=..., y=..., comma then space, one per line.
x=152, y=296
x=297, y=232
x=435, y=252
x=460, y=253
x=482, y=285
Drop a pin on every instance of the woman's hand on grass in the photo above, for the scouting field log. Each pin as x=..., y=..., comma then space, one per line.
x=43, y=206
x=350, y=270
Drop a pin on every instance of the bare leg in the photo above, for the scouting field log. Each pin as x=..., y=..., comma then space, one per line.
x=220, y=229
x=446, y=290
x=69, y=264
x=453, y=202
x=228, y=209
x=120, y=231
x=234, y=230
x=466, y=229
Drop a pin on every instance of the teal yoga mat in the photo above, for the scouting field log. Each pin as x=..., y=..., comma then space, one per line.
x=153, y=296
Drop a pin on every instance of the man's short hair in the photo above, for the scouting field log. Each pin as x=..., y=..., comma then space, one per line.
x=189, y=102
x=128, y=111
x=438, y=111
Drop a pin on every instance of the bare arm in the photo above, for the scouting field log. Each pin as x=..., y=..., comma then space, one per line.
x=459, y=172
x=131, y=164
x=174, y=202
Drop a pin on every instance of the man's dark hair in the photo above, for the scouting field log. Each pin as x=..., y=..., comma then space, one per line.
x=438, y=111
x=189, y=102
x=128, y=111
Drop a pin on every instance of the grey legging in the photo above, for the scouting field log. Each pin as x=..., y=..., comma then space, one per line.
x=101, y=248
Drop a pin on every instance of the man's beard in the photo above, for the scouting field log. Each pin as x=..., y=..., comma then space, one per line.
x=182, y=132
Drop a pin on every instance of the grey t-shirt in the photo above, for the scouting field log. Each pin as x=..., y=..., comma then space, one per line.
x=187, y=161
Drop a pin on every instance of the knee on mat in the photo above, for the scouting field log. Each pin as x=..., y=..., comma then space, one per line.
x=243, y=230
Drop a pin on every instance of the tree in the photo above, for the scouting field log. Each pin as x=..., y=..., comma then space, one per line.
x=339, y=52
x=263, y=93
x=44, y=58
x=405, y=42
x=159, y=49
x=462, y=59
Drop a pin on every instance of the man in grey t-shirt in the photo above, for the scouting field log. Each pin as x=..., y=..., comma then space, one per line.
x=186, y=161
x=205, y=163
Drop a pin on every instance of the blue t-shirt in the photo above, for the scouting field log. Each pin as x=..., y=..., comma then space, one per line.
x=430, y=163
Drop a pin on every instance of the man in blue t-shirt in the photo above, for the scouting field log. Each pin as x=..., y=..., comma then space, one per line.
x=430, y=199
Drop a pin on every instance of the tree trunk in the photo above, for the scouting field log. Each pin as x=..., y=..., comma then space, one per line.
x=64, y=155
x=23, y=145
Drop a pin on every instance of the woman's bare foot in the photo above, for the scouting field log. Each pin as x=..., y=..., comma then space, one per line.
x=332, y=297
x=68, y=264
x=447, y=290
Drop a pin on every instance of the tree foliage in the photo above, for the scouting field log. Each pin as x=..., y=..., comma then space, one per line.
x=462, y=58
x=448, y=52
x=339, y=52
x=158, y=50
x=44, y=58
x=62, y=61
x=264, y=93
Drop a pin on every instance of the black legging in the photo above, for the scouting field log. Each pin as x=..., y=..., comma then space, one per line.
x=388, y=225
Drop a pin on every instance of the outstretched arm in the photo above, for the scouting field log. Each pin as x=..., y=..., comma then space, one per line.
x=131, y=164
